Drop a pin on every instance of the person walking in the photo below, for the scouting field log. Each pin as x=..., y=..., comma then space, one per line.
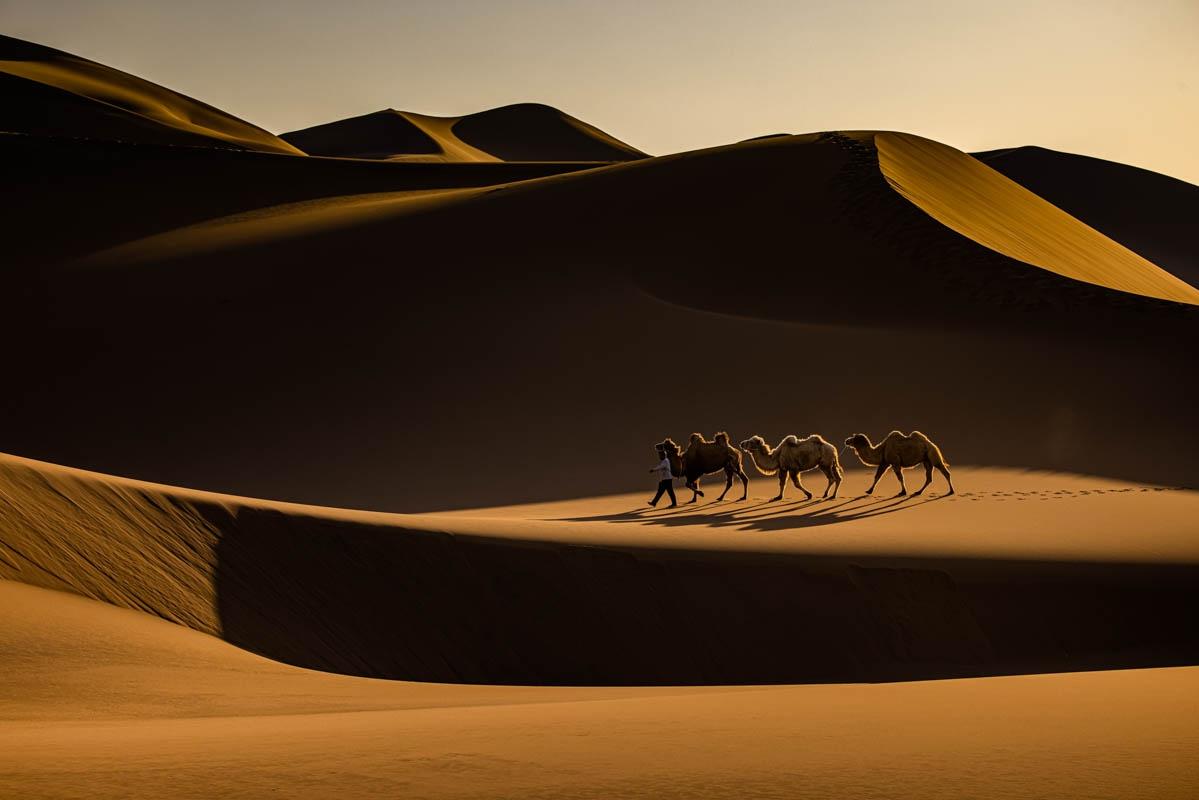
x=665, y=480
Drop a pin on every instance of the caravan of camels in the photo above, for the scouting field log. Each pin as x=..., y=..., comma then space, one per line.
x=793, y=456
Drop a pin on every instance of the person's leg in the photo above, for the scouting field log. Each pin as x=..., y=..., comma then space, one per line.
x=670, y=491
x=662, y=487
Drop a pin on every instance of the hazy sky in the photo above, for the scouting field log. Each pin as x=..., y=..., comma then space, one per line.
x=1118, y=80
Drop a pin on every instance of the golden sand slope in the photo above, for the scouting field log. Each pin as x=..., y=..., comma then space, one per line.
x=956, y=190
x=1149, y=213
x=992, y=581
x=976, y=201
x=104, y=702
x=50, y=92
x=523, y=132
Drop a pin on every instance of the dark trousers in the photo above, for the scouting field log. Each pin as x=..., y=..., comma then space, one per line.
x=666, y=486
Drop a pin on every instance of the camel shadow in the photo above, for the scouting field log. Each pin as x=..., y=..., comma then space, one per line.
x=766, y=516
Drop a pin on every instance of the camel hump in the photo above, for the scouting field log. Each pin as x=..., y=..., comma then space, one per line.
x=792, y=439
x=696, y=437
x=721, y=437
x=931, y=446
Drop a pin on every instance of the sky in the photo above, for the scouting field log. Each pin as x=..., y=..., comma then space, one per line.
x=1117, y=80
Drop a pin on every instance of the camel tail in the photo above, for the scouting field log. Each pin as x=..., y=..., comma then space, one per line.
x=938, y=458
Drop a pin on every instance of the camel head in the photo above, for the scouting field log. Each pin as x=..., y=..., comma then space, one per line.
x=857, y=441
x=754, y=444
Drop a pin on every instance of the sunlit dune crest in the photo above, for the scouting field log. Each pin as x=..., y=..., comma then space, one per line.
x=976, y=201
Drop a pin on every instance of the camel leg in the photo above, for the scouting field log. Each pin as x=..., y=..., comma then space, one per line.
x=744, y=483
x=695, y=492
x=728, y=482
x=928, y=478
x=877, y=474
x=799, y=483
x=903, y=487
x=828, y=474
x=782, y=485
x=945, y=471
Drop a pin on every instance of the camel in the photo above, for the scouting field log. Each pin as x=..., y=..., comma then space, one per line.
x=702, y=458
x=900, y=452
x=793, y=456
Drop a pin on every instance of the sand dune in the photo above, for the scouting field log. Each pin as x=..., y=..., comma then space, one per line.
x=516, y=320
x=388, y=135
x=849, y=590
x=52, y=93
x=799, y=245
x=978, y=202
x=100, y=217
x=88, y=686
x=524, y=132
x=1149, y=213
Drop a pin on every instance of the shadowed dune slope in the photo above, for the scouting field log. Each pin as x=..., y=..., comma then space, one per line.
x=388, y=135
x=549, y=310
x=87, y=684
x=65, y=181
x=536, y=132
x=600, y=599
x=49, y=92
x=995, y=211
x=524, y=132
x=1149, y=213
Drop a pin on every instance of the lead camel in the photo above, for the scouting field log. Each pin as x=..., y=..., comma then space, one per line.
x=900, y=452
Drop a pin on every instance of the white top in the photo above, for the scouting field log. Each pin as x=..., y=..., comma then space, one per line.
x=663, y=470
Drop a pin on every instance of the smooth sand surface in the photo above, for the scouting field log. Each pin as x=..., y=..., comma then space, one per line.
x=105, y=702
x=49, y=92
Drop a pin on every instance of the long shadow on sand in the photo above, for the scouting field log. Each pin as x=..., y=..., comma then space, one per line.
x=767, y=515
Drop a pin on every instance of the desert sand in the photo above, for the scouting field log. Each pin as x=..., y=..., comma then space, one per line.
x=443, y=347
x=947, y=585
x=113, y=703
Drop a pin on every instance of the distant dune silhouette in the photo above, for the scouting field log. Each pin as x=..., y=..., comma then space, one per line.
x=49, y=92
x=523, y=132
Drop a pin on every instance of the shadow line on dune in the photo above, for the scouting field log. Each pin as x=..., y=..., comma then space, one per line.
x=415, y=604
x=801, y=514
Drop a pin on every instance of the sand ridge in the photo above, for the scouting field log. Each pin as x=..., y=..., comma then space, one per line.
x=58, y=93
x=520, y=133
x=1149, y=213
x=976, y=201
